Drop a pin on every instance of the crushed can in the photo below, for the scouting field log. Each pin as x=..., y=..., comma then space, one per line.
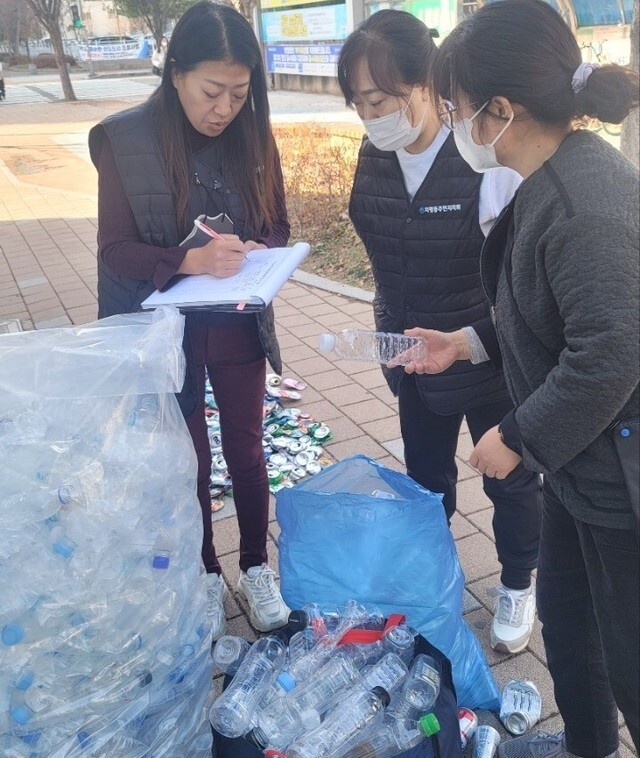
x=468, y=725
x=521, y=706
x=485, y=742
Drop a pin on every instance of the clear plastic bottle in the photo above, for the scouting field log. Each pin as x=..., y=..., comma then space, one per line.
x=26, y=630
x=400, y=640
x=354, y=615
x=300, y=644
x=301, y=709
x=419, y=691
x=378, y=347
x=24, y=502
x=389, y=673
x=146, y=414
x=228, y=654
x=231, y=713
x=84, y=487
x=359, y=711
x=393, y=737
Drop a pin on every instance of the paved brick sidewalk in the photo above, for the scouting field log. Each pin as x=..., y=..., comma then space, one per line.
x=47, y=278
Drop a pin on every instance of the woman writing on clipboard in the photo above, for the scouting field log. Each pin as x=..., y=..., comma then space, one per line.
x=202, y=144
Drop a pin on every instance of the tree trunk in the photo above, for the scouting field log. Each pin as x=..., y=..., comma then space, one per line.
x=58, y=51
x=630, y=140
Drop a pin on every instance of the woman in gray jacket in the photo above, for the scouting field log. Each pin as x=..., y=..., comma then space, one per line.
x=560, y=268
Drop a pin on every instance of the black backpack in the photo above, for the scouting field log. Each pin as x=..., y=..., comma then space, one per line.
x=445, y=744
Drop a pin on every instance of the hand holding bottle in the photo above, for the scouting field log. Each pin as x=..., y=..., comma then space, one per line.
x=445, y=348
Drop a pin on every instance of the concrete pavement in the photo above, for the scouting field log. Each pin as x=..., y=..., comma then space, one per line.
x=48, y=278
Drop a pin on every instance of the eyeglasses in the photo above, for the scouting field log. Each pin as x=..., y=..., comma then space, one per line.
x=445, y=113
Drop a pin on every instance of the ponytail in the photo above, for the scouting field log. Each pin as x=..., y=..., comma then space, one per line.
x=609, y=94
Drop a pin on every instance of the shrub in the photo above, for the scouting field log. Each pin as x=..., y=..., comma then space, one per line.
x=48, y=60
x=318, y=163
x=15, y=60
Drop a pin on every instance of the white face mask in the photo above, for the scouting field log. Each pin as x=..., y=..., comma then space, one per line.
x=393, y=132
x=480, y=157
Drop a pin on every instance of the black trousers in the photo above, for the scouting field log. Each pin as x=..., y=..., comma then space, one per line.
x=430, y=442
x=588, y=601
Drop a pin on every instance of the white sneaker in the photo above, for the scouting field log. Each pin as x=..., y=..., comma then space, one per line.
x=267, y=609
x=513, y=619
x=216, y=590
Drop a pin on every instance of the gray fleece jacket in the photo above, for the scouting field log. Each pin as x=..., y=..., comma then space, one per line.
x=571, y=355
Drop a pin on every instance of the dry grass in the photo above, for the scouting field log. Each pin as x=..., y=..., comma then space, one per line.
x=319, y=162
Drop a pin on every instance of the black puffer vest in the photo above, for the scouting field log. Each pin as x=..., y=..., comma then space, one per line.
x=425, y=256
x=140, y=164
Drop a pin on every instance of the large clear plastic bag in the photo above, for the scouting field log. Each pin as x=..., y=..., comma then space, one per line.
x=104, y=644
x=360, y=530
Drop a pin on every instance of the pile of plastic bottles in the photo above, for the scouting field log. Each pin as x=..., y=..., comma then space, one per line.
x=104, y=645
x=300, y=693
x=293, y=442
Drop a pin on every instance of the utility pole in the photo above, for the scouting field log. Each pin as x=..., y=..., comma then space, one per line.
x=79, y=25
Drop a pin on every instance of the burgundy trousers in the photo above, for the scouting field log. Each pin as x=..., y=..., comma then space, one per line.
x=235, y=362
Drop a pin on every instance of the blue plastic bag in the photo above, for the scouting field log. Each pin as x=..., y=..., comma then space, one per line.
x=360, y=530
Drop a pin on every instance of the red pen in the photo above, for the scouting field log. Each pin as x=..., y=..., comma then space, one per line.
x=216, y=236
x=208, y=230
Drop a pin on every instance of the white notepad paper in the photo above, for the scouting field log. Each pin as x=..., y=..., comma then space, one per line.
x=262, y=276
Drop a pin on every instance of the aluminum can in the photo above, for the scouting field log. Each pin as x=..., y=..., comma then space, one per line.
x=521, y=706
x=468, y=725
x=485, y=742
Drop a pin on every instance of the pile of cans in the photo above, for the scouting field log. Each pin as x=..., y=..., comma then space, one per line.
x=520, y=710
x=293, y=441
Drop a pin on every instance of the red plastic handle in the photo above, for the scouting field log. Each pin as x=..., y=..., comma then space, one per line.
x=367, y=636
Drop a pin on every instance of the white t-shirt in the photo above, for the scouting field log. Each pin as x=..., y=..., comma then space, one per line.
x=496, y=190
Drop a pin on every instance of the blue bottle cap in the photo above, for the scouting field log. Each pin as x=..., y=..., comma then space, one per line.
x=64, y=548
x=186, y=652
x=25, y=681
x=177, y=676
x=77, y=619
x=12, y=634
x=160, y=562
x=286, y=681
x=84, y=738
x=21, y=714
x=30, y=738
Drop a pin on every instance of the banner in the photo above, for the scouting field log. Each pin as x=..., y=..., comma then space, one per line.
x=436, y=14
x=271, y=4
x=307, y=60
x=326, y=22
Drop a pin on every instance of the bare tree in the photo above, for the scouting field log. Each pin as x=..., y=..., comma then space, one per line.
x=17, y=23
x=630, y=140
x=155, y=13
x=48, y=14
x=246, y=7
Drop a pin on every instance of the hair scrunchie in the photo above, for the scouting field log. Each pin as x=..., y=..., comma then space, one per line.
x=580, y=76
